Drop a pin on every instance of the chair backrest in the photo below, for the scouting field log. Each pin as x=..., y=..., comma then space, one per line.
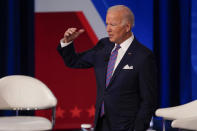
x=23, y=92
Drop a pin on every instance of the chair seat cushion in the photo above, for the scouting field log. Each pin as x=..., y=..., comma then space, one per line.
x=24, y=123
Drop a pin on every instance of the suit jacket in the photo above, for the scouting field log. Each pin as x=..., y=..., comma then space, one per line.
x=130, y=98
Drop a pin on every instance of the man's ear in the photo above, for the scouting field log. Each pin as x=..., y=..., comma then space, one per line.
x=128, y=27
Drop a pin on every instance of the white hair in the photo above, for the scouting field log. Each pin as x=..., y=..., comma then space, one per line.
x=128, y=15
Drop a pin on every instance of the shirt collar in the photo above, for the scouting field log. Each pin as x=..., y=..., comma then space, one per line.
x=125, y=45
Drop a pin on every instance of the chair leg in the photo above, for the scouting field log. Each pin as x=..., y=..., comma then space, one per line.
x=163, y=125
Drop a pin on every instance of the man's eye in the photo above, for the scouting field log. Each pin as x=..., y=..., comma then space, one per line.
x=111, y=24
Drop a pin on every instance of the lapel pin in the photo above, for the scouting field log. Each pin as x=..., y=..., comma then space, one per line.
x=129, y=53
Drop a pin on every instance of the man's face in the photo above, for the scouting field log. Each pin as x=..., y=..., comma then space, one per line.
x=116, y=28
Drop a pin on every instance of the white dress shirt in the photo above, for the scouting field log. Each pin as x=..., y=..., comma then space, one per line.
x=124, y=47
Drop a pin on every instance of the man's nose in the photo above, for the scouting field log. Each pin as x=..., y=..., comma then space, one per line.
x=108, y=29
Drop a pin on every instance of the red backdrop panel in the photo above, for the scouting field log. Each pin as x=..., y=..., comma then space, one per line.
x=75, y=89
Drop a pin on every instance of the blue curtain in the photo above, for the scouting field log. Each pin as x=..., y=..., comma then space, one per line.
x=194, y=47
x=173, y=50
x=16, y=38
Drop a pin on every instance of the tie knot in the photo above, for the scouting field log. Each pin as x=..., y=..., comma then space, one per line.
x=117, y=47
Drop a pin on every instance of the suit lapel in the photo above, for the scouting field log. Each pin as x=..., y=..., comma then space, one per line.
x=127, y=56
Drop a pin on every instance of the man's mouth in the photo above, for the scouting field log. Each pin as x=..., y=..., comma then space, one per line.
x=110, y=36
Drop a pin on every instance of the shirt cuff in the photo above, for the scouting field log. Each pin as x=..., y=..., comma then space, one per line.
x=64, y=44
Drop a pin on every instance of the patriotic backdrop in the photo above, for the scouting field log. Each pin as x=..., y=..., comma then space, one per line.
x=75, y=89
x=174, y=46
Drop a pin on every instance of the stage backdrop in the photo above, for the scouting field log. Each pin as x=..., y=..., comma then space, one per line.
x=75, y=89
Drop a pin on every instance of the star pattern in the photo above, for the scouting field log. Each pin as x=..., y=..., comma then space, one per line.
x=91, y=111
x=75, y=112
x=60, y=113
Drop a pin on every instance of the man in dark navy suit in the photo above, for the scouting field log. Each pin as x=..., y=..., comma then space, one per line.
x=125, y=73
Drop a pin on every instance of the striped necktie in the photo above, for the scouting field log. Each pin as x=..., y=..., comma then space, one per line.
x=111, y=64
x=110, y=69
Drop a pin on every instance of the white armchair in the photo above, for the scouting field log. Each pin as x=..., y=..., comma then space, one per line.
x=185, y=123
x=20, y=92
x=178, y=112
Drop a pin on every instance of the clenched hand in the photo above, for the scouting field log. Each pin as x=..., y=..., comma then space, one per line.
x=71, y=34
